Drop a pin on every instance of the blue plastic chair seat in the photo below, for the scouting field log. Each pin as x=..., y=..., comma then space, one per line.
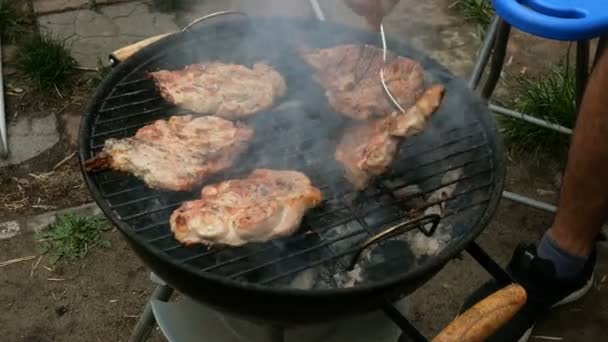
x=556, y=19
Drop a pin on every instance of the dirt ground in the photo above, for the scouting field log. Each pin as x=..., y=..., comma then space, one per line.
x=34, y=187
x=98, y=299
x=40, y=184
x=48, y=181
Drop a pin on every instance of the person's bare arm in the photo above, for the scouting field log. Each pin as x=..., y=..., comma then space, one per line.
x=372, y=10
x=583, y=203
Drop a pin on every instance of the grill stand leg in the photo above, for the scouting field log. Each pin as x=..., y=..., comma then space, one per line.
x=484, y=259
x=146, y=322
x=276, y=334
x=410, y=333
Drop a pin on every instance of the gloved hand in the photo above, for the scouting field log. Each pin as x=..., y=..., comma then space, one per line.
x=372, y=10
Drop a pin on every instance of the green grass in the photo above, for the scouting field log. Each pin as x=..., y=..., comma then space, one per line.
x=72, y=236
x=479, y=12
x=550, y=96
x=11, y=20
x=46, y=61
x=101, y=73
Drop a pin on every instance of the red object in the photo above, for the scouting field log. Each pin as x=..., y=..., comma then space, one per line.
x=372, y=10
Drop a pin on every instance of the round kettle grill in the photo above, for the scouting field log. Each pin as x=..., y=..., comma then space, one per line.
x=354, y=252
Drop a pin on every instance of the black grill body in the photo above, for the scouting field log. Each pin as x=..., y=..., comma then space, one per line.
x=257, y=281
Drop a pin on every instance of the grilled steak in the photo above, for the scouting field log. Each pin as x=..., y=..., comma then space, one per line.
x=350, y=75
x=268, y=204
x=231, y=91
x=368, y=148
x=176, y=154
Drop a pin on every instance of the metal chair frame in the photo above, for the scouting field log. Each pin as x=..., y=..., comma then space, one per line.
x=3, y=133
x=492, y=51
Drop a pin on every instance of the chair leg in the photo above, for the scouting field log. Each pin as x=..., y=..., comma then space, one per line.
x=484, y=54
x=601, y=47
x=498, y=58
x=146, y=322
x=582, y=69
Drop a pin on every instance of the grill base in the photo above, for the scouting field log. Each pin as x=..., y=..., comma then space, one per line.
x=176, y=322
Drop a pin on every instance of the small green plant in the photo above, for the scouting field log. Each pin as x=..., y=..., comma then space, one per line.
x=550, y=97
x=72, y=236
x=479, y=12
x=101, y=73
x=45, y=60
x=11, y=20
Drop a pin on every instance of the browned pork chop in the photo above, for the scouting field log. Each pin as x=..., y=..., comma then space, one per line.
x=350, y=75
x=368, y=148
x=268, y=204
x=231, y=91
x=176, y=154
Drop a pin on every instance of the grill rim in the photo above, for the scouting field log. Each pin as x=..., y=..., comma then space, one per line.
x=489, y=131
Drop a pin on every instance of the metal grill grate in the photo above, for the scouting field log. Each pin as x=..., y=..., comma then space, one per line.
x=332, y=233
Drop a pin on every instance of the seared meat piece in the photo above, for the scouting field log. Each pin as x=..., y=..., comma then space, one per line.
x=176, y=154
x=350, y=75
x=367, y=149
x=266, y=205
x=231, y=91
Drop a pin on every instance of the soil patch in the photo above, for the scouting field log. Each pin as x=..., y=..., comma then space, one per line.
x=37, y=185
x=34, y=187
x=97, y=299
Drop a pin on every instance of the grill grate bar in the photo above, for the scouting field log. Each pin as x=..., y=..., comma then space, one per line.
x=444, y=146
x=269, y=248
x=327, y=213
x=438, y=202
x=342, y=237
x=122, y=129
x=302, y=252
x=408, y=143
x=130, y=93
x=298, y=253
x=126, y=83
x=337, y=256
x=169, y=249
x=151, y=226
x=428, y=191
x=148, y=212
x=133, y=115
x=346, y=220
x=316, y=217
x=390, y=191
x=162, y=237
x=124, y=191
x=302, y=236
x=440, y=186
x=409, y=157
x=135, y=201
x=130, y=104
x=441, y=172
